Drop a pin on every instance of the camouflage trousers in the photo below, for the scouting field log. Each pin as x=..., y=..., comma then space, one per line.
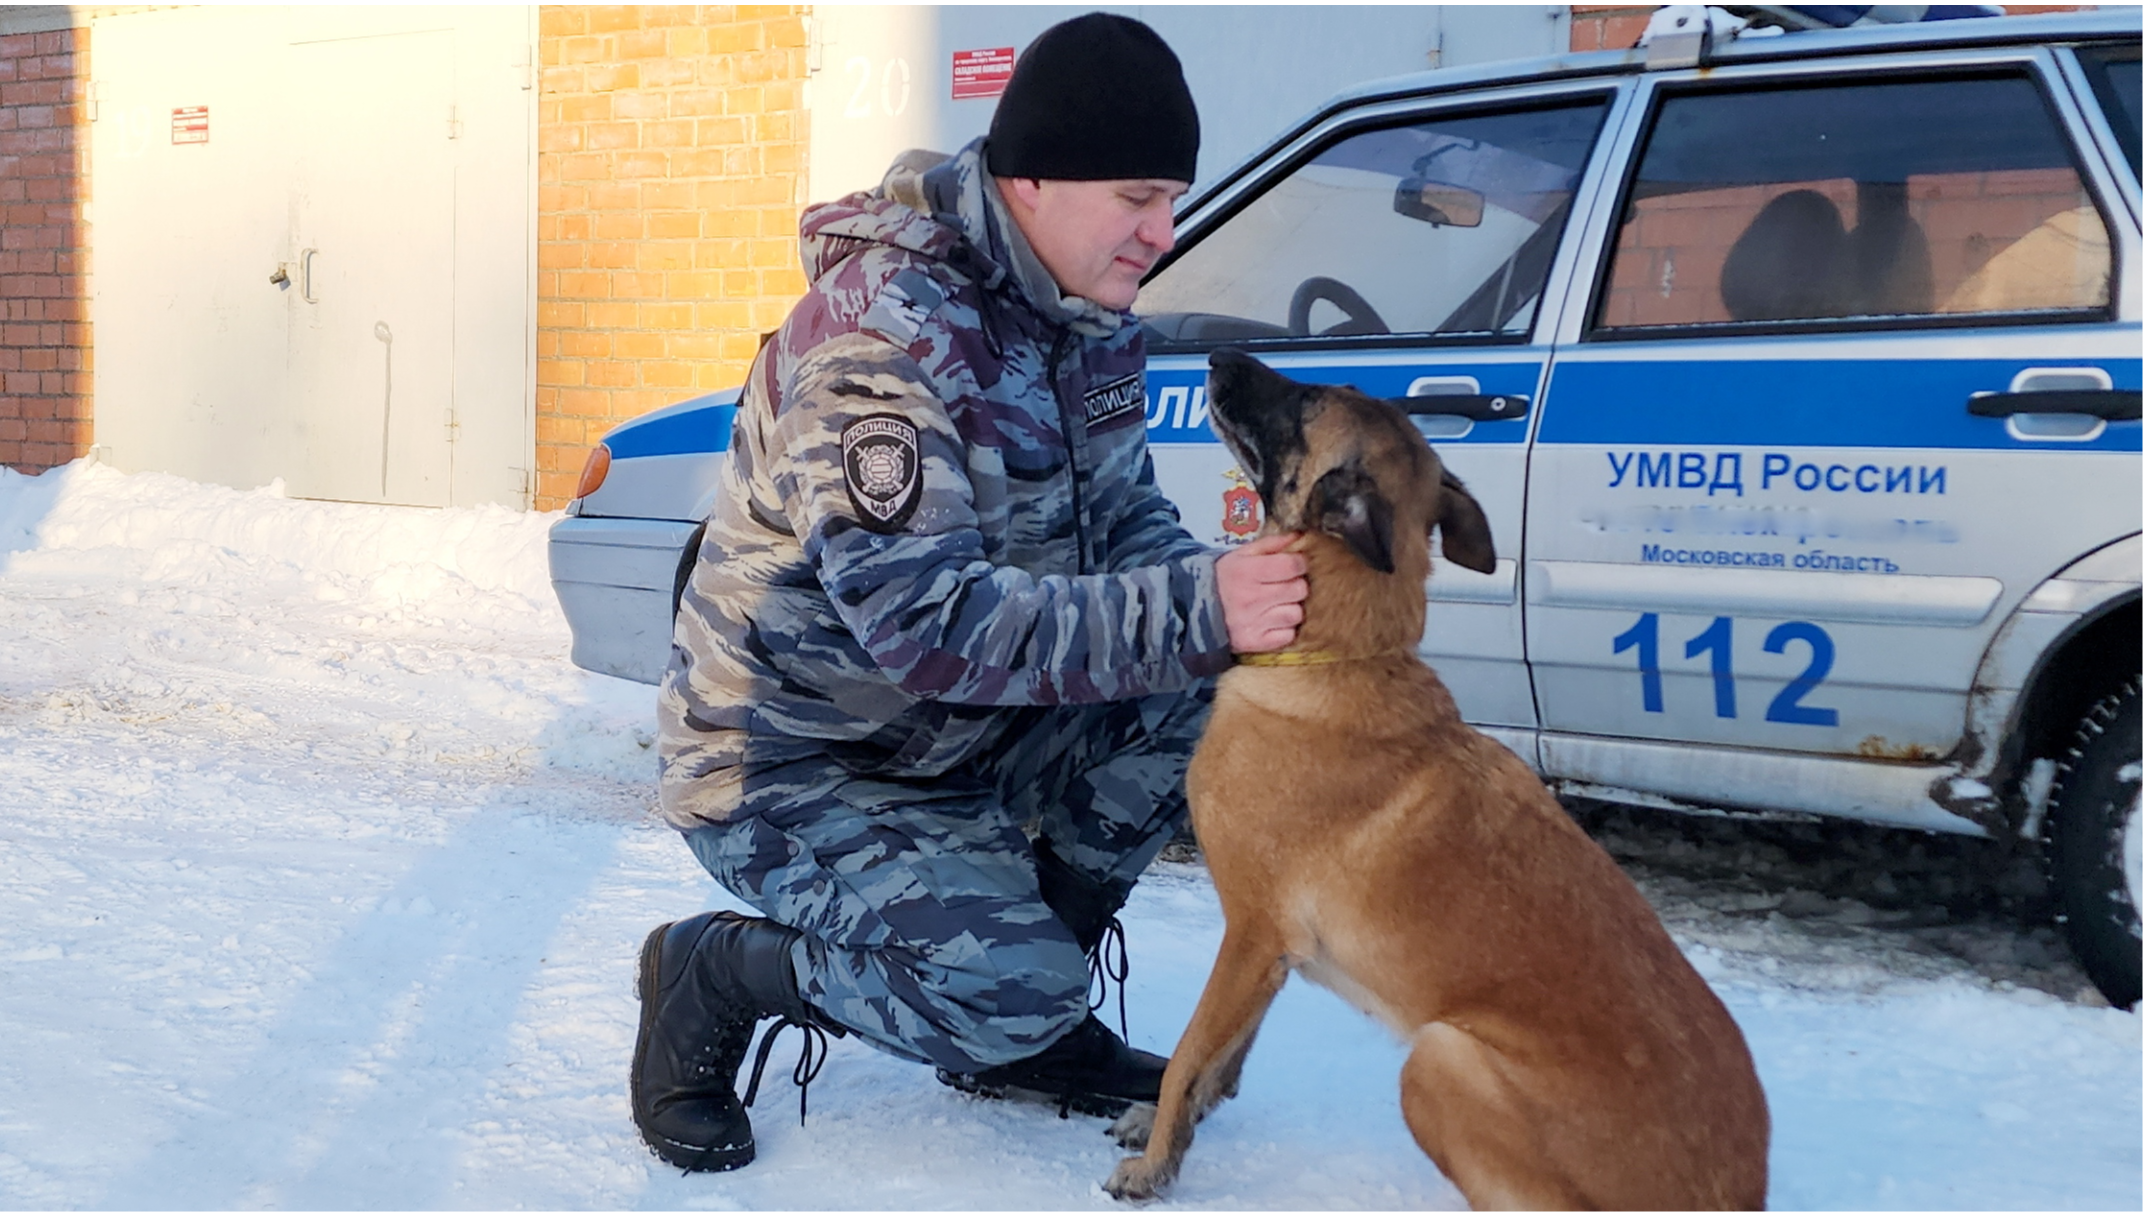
x=924, y=931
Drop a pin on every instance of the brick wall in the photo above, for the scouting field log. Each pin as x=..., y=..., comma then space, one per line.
x=670, y=172
x=44, y=249
x=1607, y=26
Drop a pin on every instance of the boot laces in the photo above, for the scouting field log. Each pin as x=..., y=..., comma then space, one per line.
x=1109, y=961
x=808, y=1062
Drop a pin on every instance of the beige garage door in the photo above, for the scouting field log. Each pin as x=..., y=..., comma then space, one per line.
x=311, y=234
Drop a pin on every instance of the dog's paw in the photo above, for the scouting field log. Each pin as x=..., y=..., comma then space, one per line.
x=1138, y=1179
x=1134, y=1128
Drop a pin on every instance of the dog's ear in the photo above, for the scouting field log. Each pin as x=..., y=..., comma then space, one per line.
x=1467, y=542
x=1345, y=503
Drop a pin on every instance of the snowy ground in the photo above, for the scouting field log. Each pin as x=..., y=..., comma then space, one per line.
x=322, y=872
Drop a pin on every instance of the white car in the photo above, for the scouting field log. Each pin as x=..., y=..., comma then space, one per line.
x=1798, y=376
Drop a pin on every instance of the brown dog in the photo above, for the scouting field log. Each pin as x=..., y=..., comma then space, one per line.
x=1564, y=1054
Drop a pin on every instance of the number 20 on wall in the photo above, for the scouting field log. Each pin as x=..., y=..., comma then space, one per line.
x=1717, y=642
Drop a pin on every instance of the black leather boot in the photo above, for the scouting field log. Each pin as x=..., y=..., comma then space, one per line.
x=1089, y=1070
x=1088, y=907
x=1081, y=902
x=705, y=982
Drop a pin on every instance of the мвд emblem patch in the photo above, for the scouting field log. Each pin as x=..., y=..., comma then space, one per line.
x=882, y=462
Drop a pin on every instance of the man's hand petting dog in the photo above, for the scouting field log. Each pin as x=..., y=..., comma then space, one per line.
x=1262, y=588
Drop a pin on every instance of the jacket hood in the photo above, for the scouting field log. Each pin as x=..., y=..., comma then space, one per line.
x=899, y=213
x=946, y=209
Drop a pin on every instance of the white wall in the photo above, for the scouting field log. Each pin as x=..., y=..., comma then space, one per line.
x=883, y=74
x=391, y=150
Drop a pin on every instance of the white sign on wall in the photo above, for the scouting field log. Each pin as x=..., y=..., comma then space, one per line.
x=189, y=124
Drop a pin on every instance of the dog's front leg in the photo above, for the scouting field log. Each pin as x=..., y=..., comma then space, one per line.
x=1134, y=1128
x=1208, y=1059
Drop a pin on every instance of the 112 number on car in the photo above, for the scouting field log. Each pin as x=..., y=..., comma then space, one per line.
x=1717, y=643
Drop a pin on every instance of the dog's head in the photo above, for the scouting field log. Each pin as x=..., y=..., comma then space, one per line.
x=1331, y=459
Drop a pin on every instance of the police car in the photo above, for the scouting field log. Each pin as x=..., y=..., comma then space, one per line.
x=1798, y=376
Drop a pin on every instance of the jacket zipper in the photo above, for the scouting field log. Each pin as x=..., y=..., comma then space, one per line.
x=1071, y=444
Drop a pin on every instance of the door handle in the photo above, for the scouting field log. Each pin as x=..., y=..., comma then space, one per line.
x=2058, y=404
x=305, y=274
x=1445, y=407
x=2107, y=404
x=1478, y=407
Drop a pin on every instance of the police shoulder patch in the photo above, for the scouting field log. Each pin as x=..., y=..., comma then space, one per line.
x=882, y=464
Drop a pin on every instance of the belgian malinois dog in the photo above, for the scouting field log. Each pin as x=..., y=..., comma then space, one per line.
x=1564, y=1054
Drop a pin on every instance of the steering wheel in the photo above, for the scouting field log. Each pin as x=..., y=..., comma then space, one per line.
x=1362, y=319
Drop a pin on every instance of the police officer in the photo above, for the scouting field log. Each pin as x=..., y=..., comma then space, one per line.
x=940, y=599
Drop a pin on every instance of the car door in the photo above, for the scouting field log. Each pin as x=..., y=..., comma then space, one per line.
x=1857, y=371
x=1404, y=249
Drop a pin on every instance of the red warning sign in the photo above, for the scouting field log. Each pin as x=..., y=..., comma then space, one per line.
x=189, y=124
x=981, y=73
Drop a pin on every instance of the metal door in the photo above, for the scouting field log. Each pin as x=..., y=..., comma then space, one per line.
x=1841, y=396
x=373, y=160
x=372, y=284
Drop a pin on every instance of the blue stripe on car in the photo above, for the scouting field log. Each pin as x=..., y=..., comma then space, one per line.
x=1170, y=398
x=1901, y=403
x=698, y=426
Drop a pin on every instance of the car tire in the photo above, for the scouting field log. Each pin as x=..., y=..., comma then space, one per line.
x=2096, y=842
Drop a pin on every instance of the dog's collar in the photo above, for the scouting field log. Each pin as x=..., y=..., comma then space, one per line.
x=1306, y=656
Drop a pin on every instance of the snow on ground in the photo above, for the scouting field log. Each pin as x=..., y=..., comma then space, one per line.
x=322, y=872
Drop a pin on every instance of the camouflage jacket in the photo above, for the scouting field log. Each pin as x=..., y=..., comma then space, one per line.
x=938, y=505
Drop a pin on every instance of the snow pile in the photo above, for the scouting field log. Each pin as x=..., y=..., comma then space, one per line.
x=322, y=873
x=446, y=560
x=338, y=597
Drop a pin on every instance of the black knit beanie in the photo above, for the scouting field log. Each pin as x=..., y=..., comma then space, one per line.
x=1096, y=98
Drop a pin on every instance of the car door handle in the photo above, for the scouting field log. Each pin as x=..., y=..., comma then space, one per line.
x=1472, y=407
x=2107, y=405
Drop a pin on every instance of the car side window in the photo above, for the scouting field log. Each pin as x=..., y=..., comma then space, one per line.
x=1846, y=200
x=1442, y=225
x=2115, y=78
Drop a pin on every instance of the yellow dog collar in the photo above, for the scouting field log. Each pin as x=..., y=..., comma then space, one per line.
x=1288, y=657
x=1306, y=656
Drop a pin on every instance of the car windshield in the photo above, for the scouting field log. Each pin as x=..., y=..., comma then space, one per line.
x=1443, y=226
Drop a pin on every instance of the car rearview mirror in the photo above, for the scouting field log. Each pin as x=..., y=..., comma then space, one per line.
x=1439, y=202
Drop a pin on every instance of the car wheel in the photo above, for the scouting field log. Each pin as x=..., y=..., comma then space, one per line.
x=2096, y=842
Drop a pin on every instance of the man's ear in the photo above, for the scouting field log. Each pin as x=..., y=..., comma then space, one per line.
x=1467, y=542
x=1026, y=189
x=1345, y=503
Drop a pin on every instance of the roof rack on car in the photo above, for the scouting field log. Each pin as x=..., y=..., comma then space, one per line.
x=1684, y=35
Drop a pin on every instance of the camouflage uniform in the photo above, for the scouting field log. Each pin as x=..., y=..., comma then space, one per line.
x=940, y=596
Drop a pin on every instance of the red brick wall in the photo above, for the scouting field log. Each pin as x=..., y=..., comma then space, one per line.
x=1608, y=26
x=44, y=250
x=672, y=146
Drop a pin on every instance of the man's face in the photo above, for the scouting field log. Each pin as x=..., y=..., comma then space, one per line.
x=1097, y=238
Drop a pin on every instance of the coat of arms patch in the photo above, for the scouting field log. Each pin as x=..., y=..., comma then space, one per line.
x=883, y=460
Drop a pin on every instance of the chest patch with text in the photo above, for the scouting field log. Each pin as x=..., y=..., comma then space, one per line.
x=1114, y=400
